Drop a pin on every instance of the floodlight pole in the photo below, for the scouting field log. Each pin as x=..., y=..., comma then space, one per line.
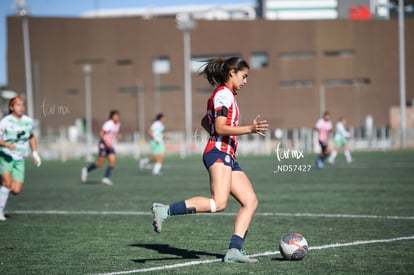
x=403, y=124
x=186, y=24
x=87, y=70
x=27, y=59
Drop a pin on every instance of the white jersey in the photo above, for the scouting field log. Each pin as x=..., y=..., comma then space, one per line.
x=111, y=129
x=157, y=128
x=17, y=132
x=341, y=132
x=323, y=126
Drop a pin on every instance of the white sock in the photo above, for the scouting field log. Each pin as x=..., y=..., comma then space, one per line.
x=4, y=195
x=348, y=156
x=332, y=156
x=156, y=169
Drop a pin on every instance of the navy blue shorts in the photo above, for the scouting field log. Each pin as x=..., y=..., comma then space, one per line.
x=105, y=151
x=216, y=155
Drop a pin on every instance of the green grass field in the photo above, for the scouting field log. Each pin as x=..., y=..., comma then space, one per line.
x=357, y=218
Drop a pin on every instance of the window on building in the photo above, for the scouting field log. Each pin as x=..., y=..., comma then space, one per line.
x=161, y=65
x=259, y=60
x=339, y=53
x=297, y=55
x=124, y=62
x=296, y=83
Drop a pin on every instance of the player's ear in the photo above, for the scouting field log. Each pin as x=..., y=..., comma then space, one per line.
x=232, y=73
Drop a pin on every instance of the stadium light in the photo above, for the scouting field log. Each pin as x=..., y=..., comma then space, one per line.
x=87, y=70
x=186, y=24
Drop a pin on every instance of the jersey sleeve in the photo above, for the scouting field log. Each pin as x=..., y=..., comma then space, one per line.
x=318, y=124
x=107, y=126
x=222, y=101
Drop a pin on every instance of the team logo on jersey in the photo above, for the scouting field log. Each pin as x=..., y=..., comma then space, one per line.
x=227, y=159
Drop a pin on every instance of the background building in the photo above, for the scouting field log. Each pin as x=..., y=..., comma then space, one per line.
x=299, y=68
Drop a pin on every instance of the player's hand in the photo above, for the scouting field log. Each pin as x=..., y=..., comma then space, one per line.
x=36, y=158
x=11, y=146
x=259, y=126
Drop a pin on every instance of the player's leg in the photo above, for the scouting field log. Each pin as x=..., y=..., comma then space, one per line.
x=158, y=159
x=334, y=153
x=220, y=184
x=4, y=193
x=12, y=174
x=158, y=152
x=111, y=165
x=347, y=154
x=98, y=163
x=321, y=156
x=242, y=190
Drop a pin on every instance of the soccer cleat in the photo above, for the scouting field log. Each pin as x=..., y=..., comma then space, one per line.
x=106, y=181
x=234, y=255
x=160, y=214
x=2, y=217
x=84, y=174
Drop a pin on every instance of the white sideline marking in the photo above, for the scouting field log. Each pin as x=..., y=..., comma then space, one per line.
x=269, y=253
x=141, y=213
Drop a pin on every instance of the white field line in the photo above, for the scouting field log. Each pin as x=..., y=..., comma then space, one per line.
x=269, y=253
x=141, y=213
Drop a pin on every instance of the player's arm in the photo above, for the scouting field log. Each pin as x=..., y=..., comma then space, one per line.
x=258, y=126
x=150, y=133
x=10, y=146
x=102, y=137
x=33, y=146
x=3, y=143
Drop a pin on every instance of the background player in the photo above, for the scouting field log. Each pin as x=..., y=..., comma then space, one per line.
x=341, y=136
x=108, y=134
x=156, y=132
x=226, y=176
x=16, y=135
x=323, y=126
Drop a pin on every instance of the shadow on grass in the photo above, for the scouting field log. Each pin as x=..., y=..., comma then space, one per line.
x=178, y=253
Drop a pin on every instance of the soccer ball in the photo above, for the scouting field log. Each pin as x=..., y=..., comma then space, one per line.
x=293, y=246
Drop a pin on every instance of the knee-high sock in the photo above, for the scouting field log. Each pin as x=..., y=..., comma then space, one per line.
x=4, y=195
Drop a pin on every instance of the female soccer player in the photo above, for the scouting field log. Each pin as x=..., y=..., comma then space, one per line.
x=226, y=176
x=341, y=135
x=156, y=132
x=16, y=135
x=108, y=134
x=323, y=126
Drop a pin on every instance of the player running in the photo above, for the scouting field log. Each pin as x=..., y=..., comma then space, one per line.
x=156, y=132
x=108, y=134
x=16, y=135
x=219, y=157
x=323, y=126
x=341, y=136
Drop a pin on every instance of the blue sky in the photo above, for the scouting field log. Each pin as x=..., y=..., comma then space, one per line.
x=75, y=8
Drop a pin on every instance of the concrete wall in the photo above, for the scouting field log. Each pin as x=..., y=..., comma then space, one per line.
x=355, y=63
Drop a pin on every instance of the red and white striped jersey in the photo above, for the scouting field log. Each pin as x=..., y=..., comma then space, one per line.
x=222, y=98
x=111, y=129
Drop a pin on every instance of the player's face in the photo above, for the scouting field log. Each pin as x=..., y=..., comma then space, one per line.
x=239, y=79
x=115, y=117
x=18, y=108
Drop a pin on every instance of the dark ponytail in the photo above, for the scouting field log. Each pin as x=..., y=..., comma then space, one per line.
x=217, y=71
